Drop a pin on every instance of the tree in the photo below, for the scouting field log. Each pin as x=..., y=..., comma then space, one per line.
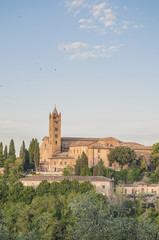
x=36, y=154
x=12, y=150
x=122, y=155
x=27, y=194
x=155, y=148
x=15, y=192
x=99, y=169
x=68, y=171
x=1, y=155
x=3, y=191
x=31, y=151
x=5, y=152
x=24, y=155
x=42, y=188
x=81, y=162
x=22, y=150
x=143, y=163
x=154, y=160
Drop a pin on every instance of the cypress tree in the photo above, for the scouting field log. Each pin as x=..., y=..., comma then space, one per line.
x=1, y=155
x=31, y=151
x=22, y=150
x=36, y=154
x=5, y=152
x=12, y=150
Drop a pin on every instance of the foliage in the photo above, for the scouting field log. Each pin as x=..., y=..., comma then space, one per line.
x=99, y=169
x=3, y=191
x=12, y=150
x=12, y=170
x=2, y=158
x=34, y=153
x=155, y=148
x=68, y=171
x=42, y=188
x=5, y=152
x=154, y=160
x=81, y=162
x=122, y=155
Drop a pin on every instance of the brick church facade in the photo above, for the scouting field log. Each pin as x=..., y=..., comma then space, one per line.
x=57, y=152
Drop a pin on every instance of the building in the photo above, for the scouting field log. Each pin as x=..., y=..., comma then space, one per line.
x=102, y=185
x=139, y=188
x=57, y=152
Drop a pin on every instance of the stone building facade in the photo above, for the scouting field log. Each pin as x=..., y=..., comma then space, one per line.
x=57, y=152
x=138, y=188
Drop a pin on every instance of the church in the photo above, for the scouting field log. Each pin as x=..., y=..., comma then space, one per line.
x=57, y=152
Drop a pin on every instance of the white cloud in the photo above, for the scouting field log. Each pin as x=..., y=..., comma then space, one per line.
x=88, y=26
x=97, y=9
x=104, y=16
x=74, y=4
x=83, y=20
x=84, y=51
x=115, y=48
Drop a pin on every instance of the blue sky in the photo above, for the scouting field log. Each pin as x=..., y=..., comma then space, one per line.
x=96, y=60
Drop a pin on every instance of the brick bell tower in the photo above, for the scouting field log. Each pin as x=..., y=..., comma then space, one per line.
x=55, y=132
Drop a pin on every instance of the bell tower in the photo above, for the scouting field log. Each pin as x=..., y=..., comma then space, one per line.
x=55, y=132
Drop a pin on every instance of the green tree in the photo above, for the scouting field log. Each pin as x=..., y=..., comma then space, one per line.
x=15, y=192
x=31, y=151
x=5, y=152
x=36, y=154
x=3, y=191
x=155, y=148
x=86, y=171
x=68, y=171
x=99, y=169
x=1, y=155
x=22, y=150
x=24, y=155
x=12, y=150
x=122, y=155
x=42, y=188
x=85, y=186
x=81, y=162
x=54, y=188
x=143, y=163
x=154, y=160
x=27, y=194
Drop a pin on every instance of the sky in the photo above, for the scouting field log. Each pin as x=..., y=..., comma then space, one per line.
x=96, y=60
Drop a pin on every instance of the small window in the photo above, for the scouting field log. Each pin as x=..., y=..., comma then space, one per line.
x=56, y=122
x=56, y=129
x=132, y=191
x=56, y=142
x=60, y=163
x=142, y=190
x=103, y=186
x=99, y=151
x=125, y=191
x=54, y=163
x=56, y=136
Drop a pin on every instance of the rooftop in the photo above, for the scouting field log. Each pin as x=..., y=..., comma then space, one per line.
x=60, y=178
